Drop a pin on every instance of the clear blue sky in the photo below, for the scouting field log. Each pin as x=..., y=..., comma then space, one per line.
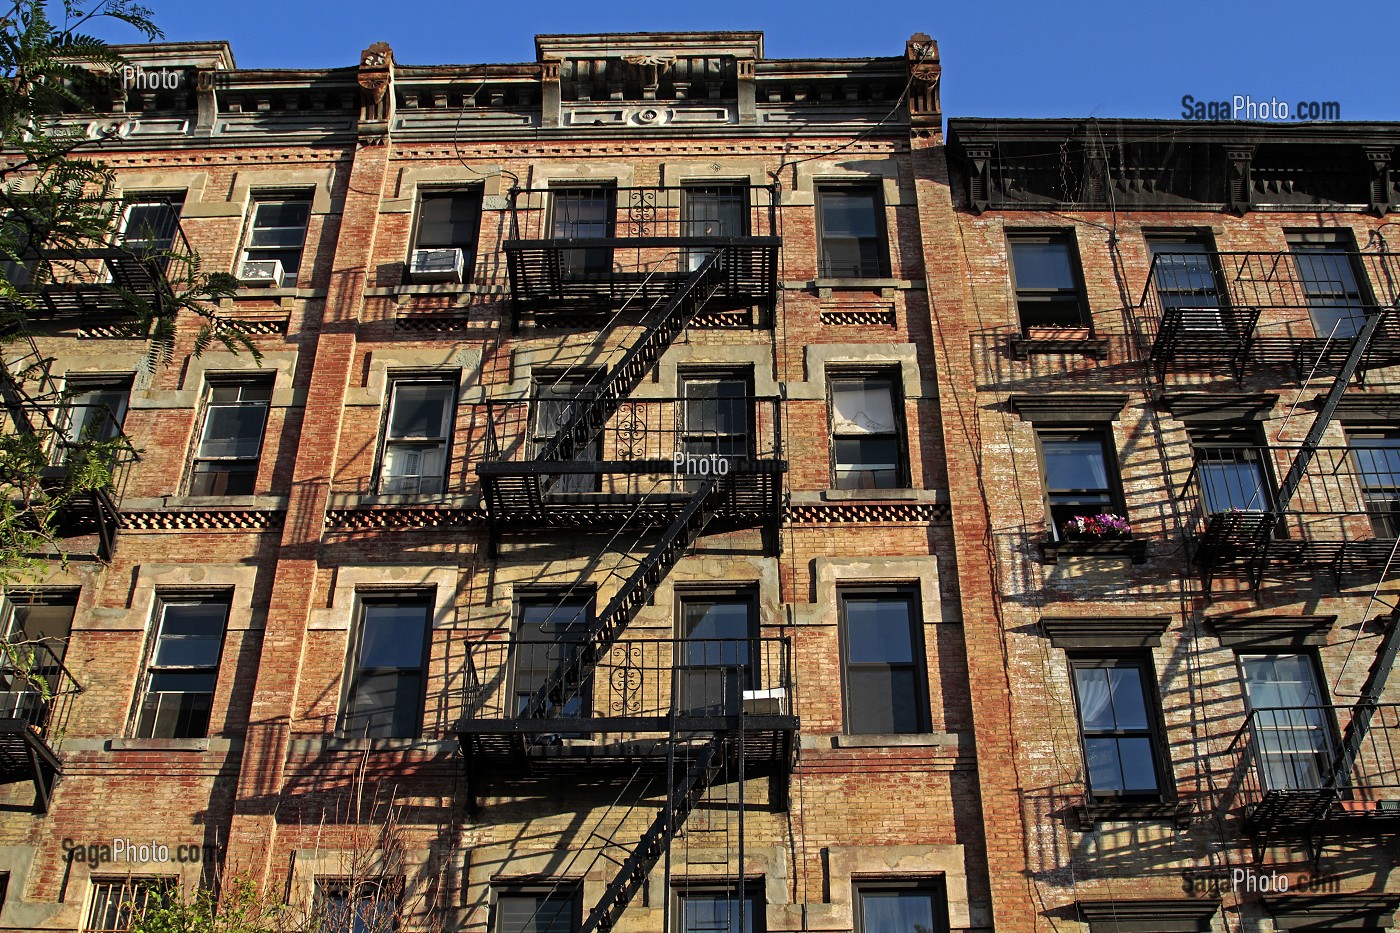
x=1016, y=59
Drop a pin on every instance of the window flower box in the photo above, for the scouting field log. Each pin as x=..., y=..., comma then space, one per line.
x=1058, y=340
x=1103, y=535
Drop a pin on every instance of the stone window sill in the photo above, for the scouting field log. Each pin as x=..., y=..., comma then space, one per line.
x=169, y=745
x=1022, y=347
x=896, y=740
x=1176, y=812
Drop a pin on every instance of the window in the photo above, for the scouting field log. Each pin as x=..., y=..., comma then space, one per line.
x=178, y=694
x=1329, y=281
x=1079, y=477
x=278, y=231
x=116, y=904
x=1187, y=278
x=718, y=415
x=385, y=697
x=720, y=912
x=851, y=232
x=549, y=630
x=1293, y=738
x=344, y=906
x=716, y=662
x=552, y=910
x=416, y=435
x=1376, y=457
x=1232, y=467
x=883, y=649
x=584, y=214
x=900, y=907
x=557, y=397
x=230, y=442
x=151, y=224
x=93, y=410
x=450, y=220
x=713, y=211
x=1045, y=269
x=1118, y=726
x=36, y=624
x=866, y=449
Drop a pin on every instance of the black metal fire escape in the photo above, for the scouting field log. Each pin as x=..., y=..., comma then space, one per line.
x=721, y=270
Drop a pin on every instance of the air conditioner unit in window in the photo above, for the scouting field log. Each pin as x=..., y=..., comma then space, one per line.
x=261, y=272
x=436, y=265
x=1202, y=320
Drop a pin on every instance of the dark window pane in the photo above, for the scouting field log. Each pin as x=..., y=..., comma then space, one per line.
x=191, y=635
x=1042, y=265
x=449, y=220
x=535, y=913
x=419, y=410
x=233, y=430
x=897, y=912
x=393, y=635
x=883, y=700
x=880, y=630
x=719, y=913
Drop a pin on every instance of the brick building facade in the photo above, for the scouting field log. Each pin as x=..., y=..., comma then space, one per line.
x=655, y=472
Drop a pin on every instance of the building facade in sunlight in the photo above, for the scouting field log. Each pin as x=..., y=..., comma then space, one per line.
x=677, y=489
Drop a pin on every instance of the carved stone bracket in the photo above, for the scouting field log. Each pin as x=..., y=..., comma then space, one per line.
x=1383, y=194
x=1240, y=193
x=925, y=108
x=376, y=80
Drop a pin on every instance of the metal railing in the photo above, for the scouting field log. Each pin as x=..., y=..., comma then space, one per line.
x=36, y=688
x=1347, y=492
x=685, y=214
x=697, y=435
x=1302, y=295
x=1297, y=752
x=637, y=678
x=80, y=444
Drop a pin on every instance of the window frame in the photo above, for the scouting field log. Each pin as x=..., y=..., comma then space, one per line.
x=750, y=890
x=256, y=384
x=1330, y=732
x=1337, y=242
x=1154, y=731
x=1027, y=298
x=522, y=890
x=468, y=246
x=1113, y=492
x=717, y=443
x=526, y=599
x=830, y=269
x=1195, y=243
x=1244, y=435
x=917, y=665
x=1385, y=521
x=291, y=278
x=899, y=436
x=584, y=385
x=443, y=441
x=684, y=668
x=355, y=671
x=146, y=884
x=934, y=888
x=588, y=261
x=77, y=386
x=22, y=697
x=150, y=668
x=328, y=887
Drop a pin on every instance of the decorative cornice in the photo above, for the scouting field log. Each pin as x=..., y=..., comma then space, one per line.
x=1142, y=916
x=1070, y=408
x=203, y=520
x=1369, y=407
x=1220, y=406
x=867, y=513
x=404, y=518
x=875, y=315
x=1271, y=631
x=1333, y=911
x=1105, y=631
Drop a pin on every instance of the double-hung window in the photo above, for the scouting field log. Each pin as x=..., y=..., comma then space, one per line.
x=1327, y=276
x=36, y=627
x=558, y=398
x=550, y=628
x=416, y=437
x=388, y=667
x=277, y=232
x=1080, y=477
x=1232, y=465
x=555, y=909
x=851, y=232
x=118, y=903
x=883, y=650
x=716, y=655
x=718, y=419
x=583, y=213
x=1375, y=456
x=445, y=242
x=1293, y=739
x=230, y=439
x=151, y=225
x=1187, y=279
x=1045, y=269
x=900, y=907
x=1118, y=727
x=867, y=451
x=710, y=211
x=178, y=692
x=363, y=906
x=726, y=911
x=93, y=413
